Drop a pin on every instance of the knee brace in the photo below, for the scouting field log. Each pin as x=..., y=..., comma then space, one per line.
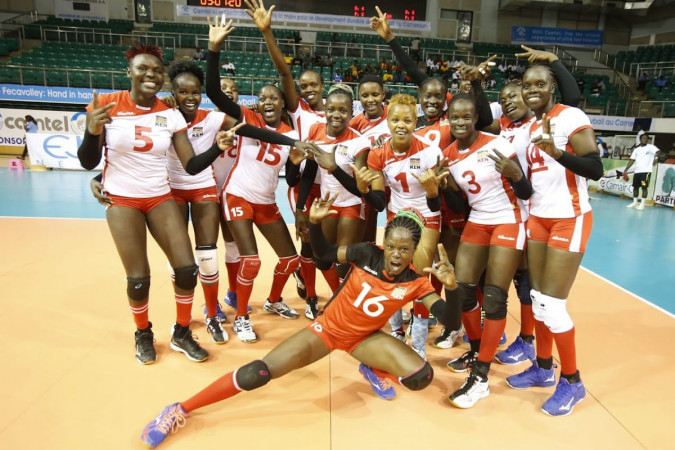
x=186, y=277
x=287, y=265
x=536, y=307
x=231, y=252
x=138, y=288
x=420, y=379
x=554, y=313
x=252, y=375
x=342, y=270
x=249, y=267
x=521, y=280
x=207, y=259
x=322, y=265
x=306, y=250
x=494, y=303
x=467, y=296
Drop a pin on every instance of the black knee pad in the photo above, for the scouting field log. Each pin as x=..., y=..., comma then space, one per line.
x=253, y=375
x=186, y=277
x=420, y=379
x=321, y=265
x=467, y=296
x=306, y=250
x=521, y=280
x=342, y=270
x=494, y=302
x=138, y=288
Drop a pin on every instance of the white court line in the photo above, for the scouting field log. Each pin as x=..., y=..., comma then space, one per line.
x=666, y=312
x=61, y=218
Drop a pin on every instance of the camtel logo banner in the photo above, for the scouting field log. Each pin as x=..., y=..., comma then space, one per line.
x=12, y=122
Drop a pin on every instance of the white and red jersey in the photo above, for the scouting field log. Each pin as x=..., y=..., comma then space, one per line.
x=397, y=168
x=255, y=174
x=490, y=194
x=557, y=192
x=375, y=130
x=496, y=109
x=436, y=131
x=202, y=133
x=137, y=140
x=346, y=147
x=304, y=117
x=518, y=134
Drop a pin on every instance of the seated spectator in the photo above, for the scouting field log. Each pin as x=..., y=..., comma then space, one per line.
x=368, y=69
x=384, y=65
x=228, y=67
x=288, y=58
x=502, y=67
x=328, y=62
x=661, y=82
x=415, y=49
x=581, y=84
x=337, y=77
x=316, y=60
x=297, y=61
x=643, y=80
x=520, y=69
x=387, y=77
x=600, y=84
x=490, y=82
x=198, y=55
x=347, y=78
x=595, y=90
x=444, y=67
x=398, y=76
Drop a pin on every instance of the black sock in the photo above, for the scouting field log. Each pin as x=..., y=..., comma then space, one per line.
x=529, y=339
x=475, y=345
x=481, y=368
x=546, y=364
x=574, y=378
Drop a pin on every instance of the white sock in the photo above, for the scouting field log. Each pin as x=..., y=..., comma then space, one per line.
x=635, y=200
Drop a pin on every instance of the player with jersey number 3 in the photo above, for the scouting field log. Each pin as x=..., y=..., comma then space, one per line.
x=380, y=282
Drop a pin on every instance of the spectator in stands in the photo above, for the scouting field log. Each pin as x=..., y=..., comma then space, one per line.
x=398, y=77
x=387, y=77
x=643, y=80
x=368, y=69
x=337, y=77
x=520, y=69
x=503, y=68
x=288, y=58
x=512, y=70
x=316, y=60
x=600, y=84
x=444, y=68
x=384, y=65
x=581, y=84
x=661, y=82
x=602, y=148
x=430, y=65
x=228, y=67
x=297, y=61
x=490, y=82
x=348, y=77
x=328, y=62
x=198, y=55
x=595, y=90
x=30, y=126
x=415, y=49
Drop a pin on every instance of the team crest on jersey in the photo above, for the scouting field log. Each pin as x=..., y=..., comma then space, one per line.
x=197, y=131
x=415, y=164
x=160, y=121
x=482, y=155
x=399, y=292
x=341, y=150
x=444, y=122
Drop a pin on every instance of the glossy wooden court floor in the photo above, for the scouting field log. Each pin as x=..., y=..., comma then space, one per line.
x=70, y=380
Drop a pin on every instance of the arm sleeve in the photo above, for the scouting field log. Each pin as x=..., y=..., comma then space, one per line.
x=200, y=162
x=522, y=188
x=264, y=135
x=346, y=180
x=589, y=166
x=99, y=177
x=569, y=89
x=484, y=111
x=409, y=64
x=435, y=203
x=213, y=91
x=322, y=250
x=306, y=182
x=454, y=200
x=376, y=199
x=292, y=173
x=89, y=152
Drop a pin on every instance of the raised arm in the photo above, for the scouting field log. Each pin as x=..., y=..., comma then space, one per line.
x=90, y=151
x=218, y=31
x=325, y=252
x=569, y=89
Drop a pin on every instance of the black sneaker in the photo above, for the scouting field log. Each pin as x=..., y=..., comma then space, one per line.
x=218, y=334
x=145, y=349
x=183, y=341
x=300, y=283
x=311, y=310
x=464, y=362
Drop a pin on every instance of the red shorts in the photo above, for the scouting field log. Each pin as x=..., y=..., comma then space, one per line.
x=315, y=192
x=208, y=194
x=566, y=234
x=451, y=219
x=144, y=205
x=431, y=222
x=508, y=235
x=322, y=331
x=351, y=212
x=237, y=208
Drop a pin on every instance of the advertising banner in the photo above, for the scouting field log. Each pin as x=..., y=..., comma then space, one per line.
x=664, y=187
x=58, y=151
x=82, y=9
x=556, y=36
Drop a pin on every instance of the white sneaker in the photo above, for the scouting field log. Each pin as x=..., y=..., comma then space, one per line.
x=244, y=329
x=280, y=308
x=420, y=351
x=405, y=315
x=631, y=205
x=473, y=389
x=448, y=338
x=640, y=206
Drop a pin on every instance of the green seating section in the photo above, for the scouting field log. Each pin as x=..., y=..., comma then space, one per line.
x=8, y=45
x=652, y=53
x=116, y=26
x=489, y=48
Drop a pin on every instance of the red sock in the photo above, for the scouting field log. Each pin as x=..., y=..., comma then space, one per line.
x=232, y=270
x=224, y=387
x=437, y=284
x=331, y=277
x=471, y=322
x=244, y=289
x=479, y=295
x=140, y=313
x=308, y=271
x=283, y=270
x=544, y=340
x=184, y=308
x=526, y=320
x=210, y=286
x=492, y=333
x=419, y=310
x=567, y=350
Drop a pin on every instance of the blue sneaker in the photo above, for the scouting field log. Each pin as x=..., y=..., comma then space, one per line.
x=564, y=398
x=534, y=376
x=231, y=301
x=517, y=352
x=381, y=386
x=169, y=421
x=220, y=315
x=502, y=340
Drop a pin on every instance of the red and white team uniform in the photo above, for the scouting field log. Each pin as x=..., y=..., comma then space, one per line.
x=366, y=299
x=496, y=110
x=375, y=130
x=557, y=192
x=518, y=134
x=202, y=133
x=255, y=174
x=346, y=148
x=137, y=141
x=406, y=191
x=436, y=131
x=497, y=216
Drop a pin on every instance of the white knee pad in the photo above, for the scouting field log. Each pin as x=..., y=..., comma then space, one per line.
x=554, y=312
x=172, y=274
x=207, y=260
x=536, y=307
x=231, y=252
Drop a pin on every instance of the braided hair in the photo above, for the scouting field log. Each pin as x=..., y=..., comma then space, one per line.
x=186, y=67
x=411, y=220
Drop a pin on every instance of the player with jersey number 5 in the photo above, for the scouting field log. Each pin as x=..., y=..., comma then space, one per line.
x=644, y=157
x=561, y=155
x=380, y=282
x=137, y=130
